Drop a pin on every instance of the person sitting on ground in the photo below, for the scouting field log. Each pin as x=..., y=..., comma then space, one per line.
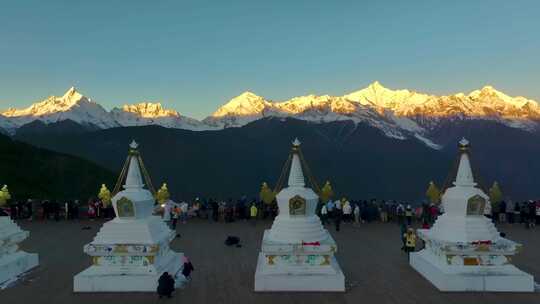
x=165, y=285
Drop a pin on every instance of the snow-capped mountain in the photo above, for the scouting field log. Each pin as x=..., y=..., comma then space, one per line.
x=80, y=109
x=71, y=106
x=248, y=107
x=399, y=114
x=146, y=113
x=427, y=110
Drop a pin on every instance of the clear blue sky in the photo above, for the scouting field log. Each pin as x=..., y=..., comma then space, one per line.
x=195, y=55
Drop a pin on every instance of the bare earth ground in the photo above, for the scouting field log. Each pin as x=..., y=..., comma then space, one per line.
x=376, y=270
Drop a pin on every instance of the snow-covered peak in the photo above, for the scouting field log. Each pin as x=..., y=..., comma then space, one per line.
x=150, y=110
x=245, y=104
x=378, y=96
x=53, y=104
x=486, y=102
x=490, y=94
x=146, y=113
x=72, y=94
x=70, y=106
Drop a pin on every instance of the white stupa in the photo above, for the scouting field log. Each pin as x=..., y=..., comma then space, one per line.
x=131, y=251
x=297, y=252
x=464, y=251
x=13, y=262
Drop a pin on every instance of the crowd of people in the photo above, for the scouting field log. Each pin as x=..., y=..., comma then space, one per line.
x=33, y=209
x=336, y=211
x=332, y=212
x=217, y=211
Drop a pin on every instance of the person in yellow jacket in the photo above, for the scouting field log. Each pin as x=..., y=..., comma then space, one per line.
x=410, y=241
x=253, y=214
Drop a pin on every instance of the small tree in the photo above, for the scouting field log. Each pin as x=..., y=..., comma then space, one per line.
x=433, y=193
x=326, y=192
x=4, y=195
x=163, y=194
x=495, y=195
x=266, y=195
x=105, y=195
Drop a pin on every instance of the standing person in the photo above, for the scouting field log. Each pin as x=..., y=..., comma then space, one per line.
x=410, y=242
x=400, y=211
x=167, y=213
x=515, y=213
x=324, y=214
x=91, y=211
x=184, y=208
x=523, y=213
x=338, y=205
x=29, y=206
x=210, y=210
x=187, y=269
x=384, y=212
x=66, y=210
x=337, y=218
x=403, y=231
x=434, y=210
x=409, y=214
x=75, y=211
x=175, y=215
x=56, y=210
x=537, y=212
x=532, y=214
x=356, y=213
x=165, y=285
x=347, y=211
x=253, y=214
x=215, y=210
x=330, y=208
x=502, y=212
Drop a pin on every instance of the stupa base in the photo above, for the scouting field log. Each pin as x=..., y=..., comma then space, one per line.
x=506, y=278
x=103, y=279
x=293, y=281
x=13, y=265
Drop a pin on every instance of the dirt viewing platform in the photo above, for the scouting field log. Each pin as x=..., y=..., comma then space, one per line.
x=375, y=268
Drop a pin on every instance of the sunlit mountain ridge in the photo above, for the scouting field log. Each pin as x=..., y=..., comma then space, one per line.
x=398, y=114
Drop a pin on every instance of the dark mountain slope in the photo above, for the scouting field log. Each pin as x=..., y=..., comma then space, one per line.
x=32, y=172
x=360, y=160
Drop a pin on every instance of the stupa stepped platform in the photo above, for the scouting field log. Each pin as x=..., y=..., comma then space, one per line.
x=128, y=277
x=453, y=278
x=13, y=262
x=463, y=229
x=148, y=231
x=326, y=246
x=328, y=278
x=464, y=251
x=294, y=230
